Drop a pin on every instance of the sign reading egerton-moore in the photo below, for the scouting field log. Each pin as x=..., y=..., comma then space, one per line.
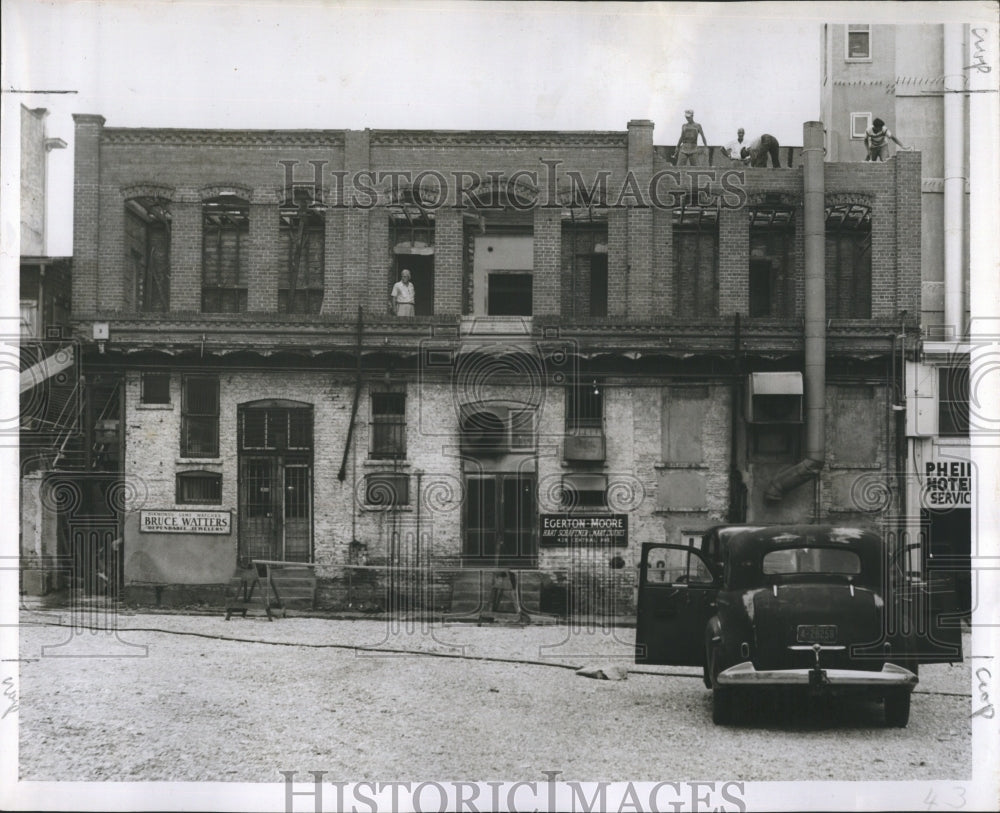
x=596, y=529
x=185, y=522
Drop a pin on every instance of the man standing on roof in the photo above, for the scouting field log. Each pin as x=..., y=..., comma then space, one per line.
x=735, y=148
x=877, y=141
x=687, y=144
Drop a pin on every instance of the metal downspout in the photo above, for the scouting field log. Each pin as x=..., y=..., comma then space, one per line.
x=342, y=474
x=954, y=179
x=815, y=324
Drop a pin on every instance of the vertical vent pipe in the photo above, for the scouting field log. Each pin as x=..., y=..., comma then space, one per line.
x=815, y=325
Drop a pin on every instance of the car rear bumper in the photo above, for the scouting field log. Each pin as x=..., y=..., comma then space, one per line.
x=891, y=676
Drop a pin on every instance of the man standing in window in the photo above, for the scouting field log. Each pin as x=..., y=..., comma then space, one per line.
x=687, y=144
x=403, y=295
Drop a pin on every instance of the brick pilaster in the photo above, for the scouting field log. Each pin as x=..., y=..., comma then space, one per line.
x=185, y=253
x=357, y=158
x=734, y=262
x=640, y=222
x=547, y=251
x=448, y=235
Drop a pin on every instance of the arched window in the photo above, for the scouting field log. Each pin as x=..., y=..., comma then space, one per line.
x=696, y=261
x=302, y=229
x=584, y=262
x=225, y=254
x=772, y=283
x=848, y=261
x=147, y=252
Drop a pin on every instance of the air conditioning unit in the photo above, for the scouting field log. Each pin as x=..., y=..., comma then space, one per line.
x=485, y=430
x=774, y=398
x=586, y=446
x=495, y=429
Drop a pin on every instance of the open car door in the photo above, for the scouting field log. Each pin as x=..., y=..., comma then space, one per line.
x=925, y=586
x=677, y=591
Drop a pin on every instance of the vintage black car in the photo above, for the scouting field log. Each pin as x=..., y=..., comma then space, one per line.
x=823, y=608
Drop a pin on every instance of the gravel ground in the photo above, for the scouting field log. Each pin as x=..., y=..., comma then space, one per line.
x=169, y=699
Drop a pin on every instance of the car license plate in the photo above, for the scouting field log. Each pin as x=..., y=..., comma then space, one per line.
x=816, y=633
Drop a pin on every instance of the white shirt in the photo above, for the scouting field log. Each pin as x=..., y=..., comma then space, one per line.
x=403, y=293
x=734, y=147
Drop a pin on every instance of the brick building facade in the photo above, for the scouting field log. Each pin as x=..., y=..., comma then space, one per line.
x=598, y=336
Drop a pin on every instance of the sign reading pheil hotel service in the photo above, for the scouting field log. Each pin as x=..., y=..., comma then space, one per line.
x=185, y=522
x=597, y=529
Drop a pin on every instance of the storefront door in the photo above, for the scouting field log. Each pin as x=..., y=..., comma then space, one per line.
x=275, y=484
x=500, y=520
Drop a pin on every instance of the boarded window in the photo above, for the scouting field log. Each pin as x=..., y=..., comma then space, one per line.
x=200, y=416
x=771, y=277
x=696, y=261
x=855, y=426
x=848, y=262
x=199, y=487
x=683, y=419
x=388, y=427
x=387, y=489
x=584, y=248
x=147, y=252
x=225, y=254
x=155, y=388
x=302, y=232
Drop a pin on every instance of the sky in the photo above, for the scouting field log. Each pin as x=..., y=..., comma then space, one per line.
x=431, y=65
x=428, y=65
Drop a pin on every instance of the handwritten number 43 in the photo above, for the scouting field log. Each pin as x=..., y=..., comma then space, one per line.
x=954, y=800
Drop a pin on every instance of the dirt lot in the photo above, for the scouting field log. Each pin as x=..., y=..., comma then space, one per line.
x=174, y=697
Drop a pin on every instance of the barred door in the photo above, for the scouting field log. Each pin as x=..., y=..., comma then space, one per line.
x=275, y=485
x=259, y=503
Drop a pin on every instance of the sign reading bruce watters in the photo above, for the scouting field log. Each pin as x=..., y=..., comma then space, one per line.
x=593, y=529
x=185, y=522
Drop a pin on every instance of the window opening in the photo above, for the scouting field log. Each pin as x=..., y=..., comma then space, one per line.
x=147, y=240
x=225, y=254
x=200, y=417
x=302, y=228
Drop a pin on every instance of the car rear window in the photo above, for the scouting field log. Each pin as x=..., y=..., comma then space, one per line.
x=811, y=560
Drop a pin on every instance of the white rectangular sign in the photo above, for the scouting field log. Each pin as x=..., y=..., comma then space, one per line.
x=185, y=522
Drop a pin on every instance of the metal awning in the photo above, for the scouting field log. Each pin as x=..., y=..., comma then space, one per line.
x=776, y=383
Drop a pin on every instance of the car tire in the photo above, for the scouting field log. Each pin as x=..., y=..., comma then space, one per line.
x=897, y=709
x=722, y=706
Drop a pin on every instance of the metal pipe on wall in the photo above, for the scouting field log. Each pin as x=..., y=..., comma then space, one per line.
x=814, y=192
x=954, y=178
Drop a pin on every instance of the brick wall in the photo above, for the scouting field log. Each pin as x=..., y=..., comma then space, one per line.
x=357, y=257
x=86, y=221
